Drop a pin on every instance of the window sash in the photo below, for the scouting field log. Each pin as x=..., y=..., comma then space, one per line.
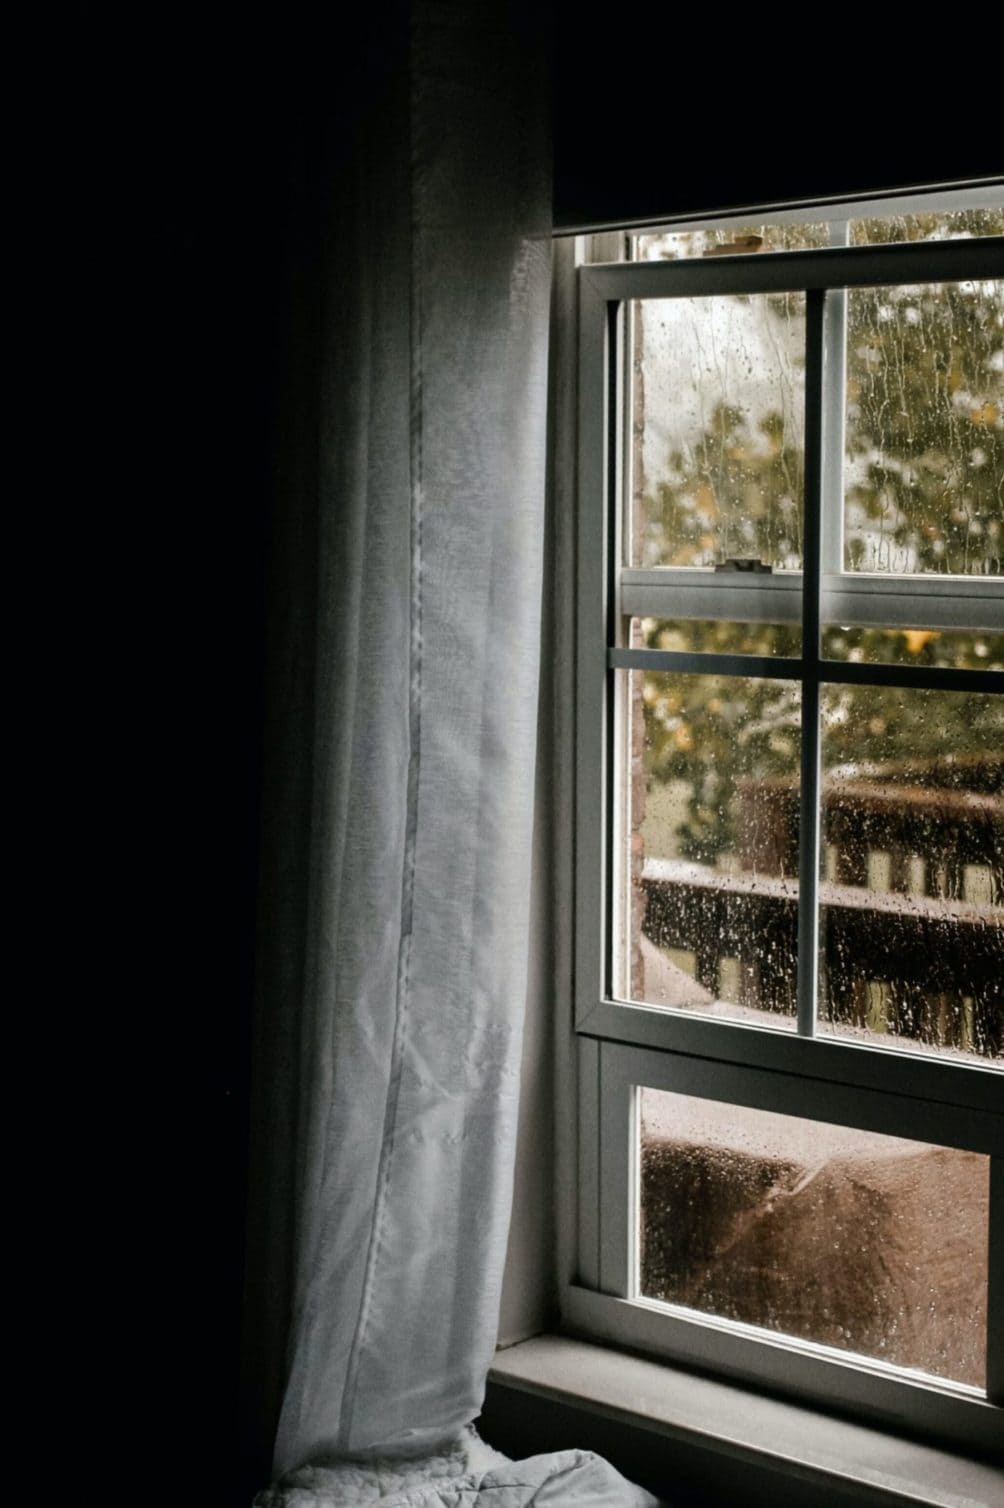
x=612, y=1073
x=608, y=592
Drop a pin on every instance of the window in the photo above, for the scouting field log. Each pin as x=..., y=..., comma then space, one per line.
x=790, y=808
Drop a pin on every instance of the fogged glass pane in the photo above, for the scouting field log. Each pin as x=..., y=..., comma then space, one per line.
x=940, y=225
x=924, y=484
x=732, y=240
x=912, y=903
x=955, y=649
x=868, y=1243
x=930, y=225
x=711, y=853
x=717, y=636
x=717, y=406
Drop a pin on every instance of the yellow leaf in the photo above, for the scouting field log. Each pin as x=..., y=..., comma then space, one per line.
x=705, y=500
x=916, y=638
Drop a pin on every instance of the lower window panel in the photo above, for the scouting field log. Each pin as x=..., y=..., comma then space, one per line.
x=867, y=1243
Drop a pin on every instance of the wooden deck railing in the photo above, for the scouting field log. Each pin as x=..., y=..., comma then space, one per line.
x=921, y=955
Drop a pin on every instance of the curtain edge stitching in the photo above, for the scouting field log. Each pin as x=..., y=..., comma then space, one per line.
x=351, y=1387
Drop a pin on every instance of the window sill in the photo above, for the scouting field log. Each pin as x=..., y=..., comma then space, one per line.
x=723, y=1438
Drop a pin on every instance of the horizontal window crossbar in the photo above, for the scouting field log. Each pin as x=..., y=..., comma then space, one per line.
x=913, y=1072
x=773, y=667
x=825, y=672
x=909, y=677
x=796, y=271
x=850, y=599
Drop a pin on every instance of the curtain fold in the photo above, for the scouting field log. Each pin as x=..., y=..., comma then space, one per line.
x=400, y=745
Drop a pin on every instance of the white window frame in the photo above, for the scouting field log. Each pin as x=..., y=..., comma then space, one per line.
x=621, y=1046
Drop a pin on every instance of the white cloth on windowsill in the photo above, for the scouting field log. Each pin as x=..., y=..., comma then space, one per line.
x=470, y=1475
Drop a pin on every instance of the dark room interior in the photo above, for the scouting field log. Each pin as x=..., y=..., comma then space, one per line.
x=229, y=191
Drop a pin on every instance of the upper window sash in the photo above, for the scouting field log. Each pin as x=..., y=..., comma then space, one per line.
x=609, y=593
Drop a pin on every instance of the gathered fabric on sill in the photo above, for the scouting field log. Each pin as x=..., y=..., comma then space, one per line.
x=468, y=1475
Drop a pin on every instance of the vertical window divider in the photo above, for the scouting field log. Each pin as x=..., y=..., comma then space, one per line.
x=617, y=345
x=633, y=1285
x=808, y=827
x=834, y=395
x=995, y=1286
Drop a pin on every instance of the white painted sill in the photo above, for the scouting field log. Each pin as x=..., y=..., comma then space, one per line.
x=745, y=1426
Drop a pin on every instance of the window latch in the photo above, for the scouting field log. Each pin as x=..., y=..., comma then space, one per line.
x=745, y=563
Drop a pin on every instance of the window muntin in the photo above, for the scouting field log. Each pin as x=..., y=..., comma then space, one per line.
x=643, y=621
x=738, y=486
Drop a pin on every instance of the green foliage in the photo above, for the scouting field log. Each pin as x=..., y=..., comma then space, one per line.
x=740, y=488
x=711, y=731
x=925, y=429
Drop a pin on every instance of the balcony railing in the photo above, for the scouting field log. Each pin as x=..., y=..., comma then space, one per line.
x=919, y=959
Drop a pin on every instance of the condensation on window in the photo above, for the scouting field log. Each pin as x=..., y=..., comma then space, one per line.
x=728, y=240
x=933, y=648
x=716, y=636
x=912, y=906
x=747, y=238
x=717, y=422
x=865, y=1243
x=927, y=225
x=912, y=860
x=710, y=846
x=924, y=467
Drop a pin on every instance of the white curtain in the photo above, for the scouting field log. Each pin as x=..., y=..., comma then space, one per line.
x=399, y=778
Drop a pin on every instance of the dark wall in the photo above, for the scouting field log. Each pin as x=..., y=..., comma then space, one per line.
x=225, y=150
x=664, y=111
x=191, y=145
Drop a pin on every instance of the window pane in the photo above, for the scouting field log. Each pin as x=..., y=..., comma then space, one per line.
x=717, y=411
x=955, y=649
x=719, y=636
x=728, y=240
x=867, y=1243
x=940, y=225
x=913, y=899
x=924, y=486
x=710, y=857
x=735, y=238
